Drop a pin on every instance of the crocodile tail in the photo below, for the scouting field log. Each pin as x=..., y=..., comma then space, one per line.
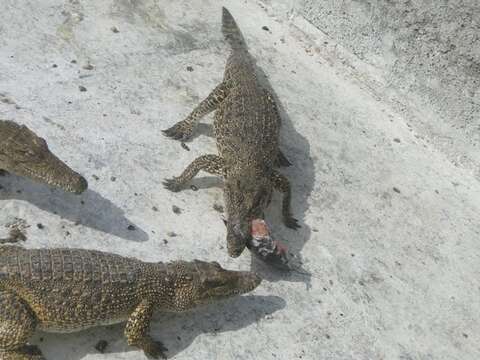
x=231, y=32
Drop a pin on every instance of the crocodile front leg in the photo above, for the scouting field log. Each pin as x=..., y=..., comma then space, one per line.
x=282, y=184
x=137, y=328
x=17, y=324
x=183, y=130
x=210, y=163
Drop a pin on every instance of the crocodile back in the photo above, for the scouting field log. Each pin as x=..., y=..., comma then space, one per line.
x=72, y=289
x=247, y=128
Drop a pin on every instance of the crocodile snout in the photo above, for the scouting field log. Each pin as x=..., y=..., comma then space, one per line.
x=80, y=186
x=237, y=238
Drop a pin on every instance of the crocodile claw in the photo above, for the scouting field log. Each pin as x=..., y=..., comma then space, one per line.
x=155, y=350
x=291, y=222
x=172, y=185
x=178, y=132
x=282, y=160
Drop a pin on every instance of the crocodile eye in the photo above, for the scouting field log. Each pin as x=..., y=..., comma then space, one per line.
x=216, y=264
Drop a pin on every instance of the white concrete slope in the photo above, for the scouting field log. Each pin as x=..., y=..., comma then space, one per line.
x=390, y=229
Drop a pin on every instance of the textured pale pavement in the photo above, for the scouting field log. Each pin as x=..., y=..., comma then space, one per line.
x=390, y=228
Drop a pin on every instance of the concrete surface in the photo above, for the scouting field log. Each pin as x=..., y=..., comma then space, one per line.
x=421, y=56
x=390, y=227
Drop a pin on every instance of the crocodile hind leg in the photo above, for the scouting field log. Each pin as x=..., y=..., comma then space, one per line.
x=137, y=328
x=282, y=184
x=183, y=130
x=210, y=163
x=17, y=324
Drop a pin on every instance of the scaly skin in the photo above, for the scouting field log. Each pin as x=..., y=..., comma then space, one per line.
x=247, y=126
x=67, y=290
x=23, y=153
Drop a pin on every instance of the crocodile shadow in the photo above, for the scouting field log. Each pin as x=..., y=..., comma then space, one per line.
x=203, y=129
x=302, y=179
x=88, y=209
x=176, y=331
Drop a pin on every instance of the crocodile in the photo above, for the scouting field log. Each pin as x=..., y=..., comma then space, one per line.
x=24, y=153
x=66, y=290
x=246, y=127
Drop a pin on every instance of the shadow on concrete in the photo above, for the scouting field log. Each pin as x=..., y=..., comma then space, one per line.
x=207, y=182
x=302, y=179
x=88, y=209
x=203, y=129
x=176, y=331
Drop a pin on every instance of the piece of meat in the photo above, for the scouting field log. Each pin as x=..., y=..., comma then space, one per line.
x=271, y=251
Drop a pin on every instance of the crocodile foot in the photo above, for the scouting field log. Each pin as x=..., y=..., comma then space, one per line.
x=155, y=350
x=179, y=131
x=282, y=160
x=172, y=185
x=291, y=222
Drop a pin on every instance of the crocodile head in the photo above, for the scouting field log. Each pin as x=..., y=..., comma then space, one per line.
x=23, y=153
x=245, y=199
x=199, y=282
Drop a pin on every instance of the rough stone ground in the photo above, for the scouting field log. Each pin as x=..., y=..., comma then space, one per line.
x=390, y=227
